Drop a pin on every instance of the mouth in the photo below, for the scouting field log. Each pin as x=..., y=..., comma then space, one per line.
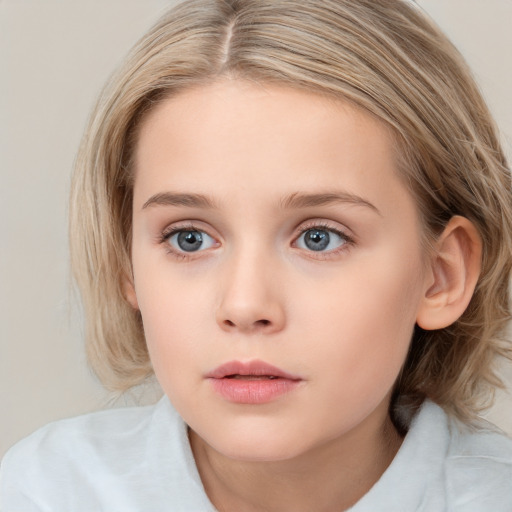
x=253, y=382
x=251, y=377
x=251, y=370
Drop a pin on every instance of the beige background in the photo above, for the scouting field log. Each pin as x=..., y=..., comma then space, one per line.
x=54, y=57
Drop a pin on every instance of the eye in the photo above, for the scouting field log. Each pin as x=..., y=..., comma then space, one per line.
x=190, y=240
x=321, y=239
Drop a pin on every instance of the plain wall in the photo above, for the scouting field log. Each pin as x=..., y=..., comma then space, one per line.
x=54, y=57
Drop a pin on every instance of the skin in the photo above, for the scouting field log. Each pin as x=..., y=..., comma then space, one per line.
x=341, y=319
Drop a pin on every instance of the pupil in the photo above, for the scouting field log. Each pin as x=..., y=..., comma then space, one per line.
x=190, y=240
x=317, y=240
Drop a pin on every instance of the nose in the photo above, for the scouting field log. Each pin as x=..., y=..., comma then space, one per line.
x=252, y=297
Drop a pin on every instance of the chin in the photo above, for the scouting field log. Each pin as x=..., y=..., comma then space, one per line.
x=253, y=445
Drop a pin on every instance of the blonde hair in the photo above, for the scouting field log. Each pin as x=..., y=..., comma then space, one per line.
x=384, y=56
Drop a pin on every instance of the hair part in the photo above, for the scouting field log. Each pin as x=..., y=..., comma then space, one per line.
x=386, y=58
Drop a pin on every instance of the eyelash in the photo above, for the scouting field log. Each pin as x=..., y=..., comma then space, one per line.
x=323, y=226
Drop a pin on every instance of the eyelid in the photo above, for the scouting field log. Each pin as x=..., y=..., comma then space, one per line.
x=327, y=225
x=188, y=225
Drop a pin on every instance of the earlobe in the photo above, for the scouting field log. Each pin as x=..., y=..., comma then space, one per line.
x=129, y=292
x=454, y=271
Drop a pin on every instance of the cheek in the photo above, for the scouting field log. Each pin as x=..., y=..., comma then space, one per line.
x=173, y=325
x=359, y=350
x=171, y=317
x=363, y=321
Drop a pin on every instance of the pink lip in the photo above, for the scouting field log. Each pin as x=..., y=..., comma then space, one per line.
x=254, y=382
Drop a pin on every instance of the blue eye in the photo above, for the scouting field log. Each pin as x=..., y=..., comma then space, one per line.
x=321, y=240
x=190, y=240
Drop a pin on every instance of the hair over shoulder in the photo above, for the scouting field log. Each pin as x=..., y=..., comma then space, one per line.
x=385, y=57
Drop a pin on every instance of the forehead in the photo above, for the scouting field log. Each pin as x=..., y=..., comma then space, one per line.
x=232, y=136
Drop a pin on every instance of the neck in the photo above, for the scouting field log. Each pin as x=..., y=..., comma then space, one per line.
x=330, y=477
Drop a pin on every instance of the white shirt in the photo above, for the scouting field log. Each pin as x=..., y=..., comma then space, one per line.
x=139, y=460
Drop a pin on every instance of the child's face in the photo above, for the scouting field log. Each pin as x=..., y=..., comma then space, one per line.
x=270, y=225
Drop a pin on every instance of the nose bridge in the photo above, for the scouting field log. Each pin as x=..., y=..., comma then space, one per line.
x=250, y=296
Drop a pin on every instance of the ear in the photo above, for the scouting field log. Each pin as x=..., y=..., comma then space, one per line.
x=129, y=292
x=453, y=273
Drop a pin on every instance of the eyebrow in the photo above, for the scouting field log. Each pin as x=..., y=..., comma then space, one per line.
x=174, y=199
x=296, y=200
x=301, y=200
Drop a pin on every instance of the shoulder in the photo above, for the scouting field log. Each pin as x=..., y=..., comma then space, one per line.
x=66, y=454
x=100, y=432
x=109, y=460
x=454, y=467
x=478, y=468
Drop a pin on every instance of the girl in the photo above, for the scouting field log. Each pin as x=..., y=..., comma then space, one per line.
x=298, y=216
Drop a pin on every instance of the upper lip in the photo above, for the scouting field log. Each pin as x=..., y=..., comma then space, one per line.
x=254, y=367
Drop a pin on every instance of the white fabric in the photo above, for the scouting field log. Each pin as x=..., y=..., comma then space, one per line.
x=139, y=459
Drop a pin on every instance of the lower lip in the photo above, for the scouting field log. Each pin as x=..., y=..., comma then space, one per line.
x=257, y=391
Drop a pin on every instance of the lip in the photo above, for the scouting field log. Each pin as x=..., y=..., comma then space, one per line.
x=252, y=382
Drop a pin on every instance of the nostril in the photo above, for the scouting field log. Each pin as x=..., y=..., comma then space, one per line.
x=261, y=323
